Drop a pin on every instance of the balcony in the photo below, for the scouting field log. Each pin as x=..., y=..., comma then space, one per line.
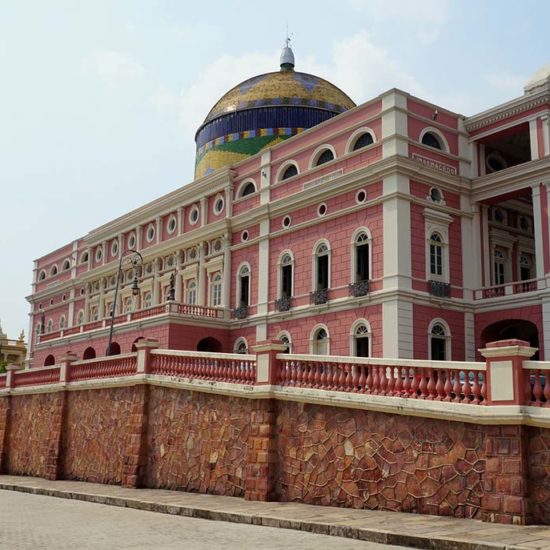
x=510, y=289
x=284, y=303
x=360, y=288
x=240, y=312
x=439, y=289
x=189, y=310
x=319, y=297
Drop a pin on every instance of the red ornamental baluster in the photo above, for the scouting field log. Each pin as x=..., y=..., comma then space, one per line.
x=398, y=382
x=369, y=382
x=292, y=373
x=355, y=378
x=383, y=380
x=466, y=387
x=341, y=378
x=375, y=380
x=415, y=382
x=283, y=373
x=407, y=382
x=311, y=375
x=348, y=383
x=423, y=387
x=431, y=384
x=440, y=386
x=457, y=387
x=317, y=378
x=476, y=390
x=537, y=389
x=323, y=379
x=362, y=379
x=301, y=374
x=391, y=381
x=448, y=388
x=546, y=391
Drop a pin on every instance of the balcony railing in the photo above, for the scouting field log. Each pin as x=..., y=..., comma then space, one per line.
x=171, y=307
x=510, y=289
x=319, y=296
x=240, y=312
x=360, y=288
x=439, y=289
x=284, y=303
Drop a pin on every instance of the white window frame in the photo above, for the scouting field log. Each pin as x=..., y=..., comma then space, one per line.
x=282, y=169
x=318, y=152
x=285, y=334
x=438, y=134
x=242, y=267
x=315, y=254
x=437, y=222
x=313, y=339
x=356, y=135
x=216, y=287
x=280, y=273
x=191, y=292
x=448, y=338
x=242, y=186
x=237, y=344
x=353, y=336
x=353, y=255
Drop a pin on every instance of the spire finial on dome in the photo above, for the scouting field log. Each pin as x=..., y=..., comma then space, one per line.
x=287, y=55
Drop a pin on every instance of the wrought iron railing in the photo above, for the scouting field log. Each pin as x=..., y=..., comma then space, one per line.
x=439, y=289
x=359, y=288
x=319, y=296
x=284, y=303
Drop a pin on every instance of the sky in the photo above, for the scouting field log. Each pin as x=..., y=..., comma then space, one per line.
x=100, y=99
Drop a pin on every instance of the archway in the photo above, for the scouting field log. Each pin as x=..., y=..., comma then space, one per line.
x=134, y=349
x=89, y=353
x=49, y=361
x=115, y=348
x=512, y=328
x=209, y=344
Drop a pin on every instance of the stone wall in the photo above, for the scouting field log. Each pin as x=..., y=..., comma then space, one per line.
x=262, y=449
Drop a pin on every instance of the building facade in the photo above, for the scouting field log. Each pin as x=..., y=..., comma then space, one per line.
x=395, y=228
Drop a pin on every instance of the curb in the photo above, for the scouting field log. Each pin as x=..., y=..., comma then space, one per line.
x=369, y=534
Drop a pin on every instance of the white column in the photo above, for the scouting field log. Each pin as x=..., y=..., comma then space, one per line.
x=394, y=125
x=139, y=231
x=397, y=329
x=265, y=177
x=101, y=304
x=546, y=134
x=70, y=320
x=201, y=290
x=204, y=207
x=534, y=140
x=263, y=279
x=537, y=230
x=471, y=253
x=229, y=201
x=486, y=252
x=469, y=336
x=158, y=229
x=226, y=291
x=545, y=336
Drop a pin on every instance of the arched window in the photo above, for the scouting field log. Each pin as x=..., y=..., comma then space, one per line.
x=284, y=337
x=191, y=293
x=241, y=346
x=84, y=258
x=53, y=270
x=432, y=137
x=62, y=322
x=42, y=275
x=216, y=294
x=286, y=276
x=244, y=287
x=89, y=353
x=66, y=265
x=326, y=156
x=128, y=304
x=147, y=299
x=439, y=344
x=436, y=255
x=321, y=266
x=247, y=188
x=362, y=257
x=320, y=341
x=80, y=317
x=289, y=172
x=361, y=339
x=115, y=349
x=499, y=266
x=94, y=313
x=49, y=326
x=364, y=140
x=49, y=361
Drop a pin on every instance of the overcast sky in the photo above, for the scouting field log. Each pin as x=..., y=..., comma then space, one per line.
x=100, y=99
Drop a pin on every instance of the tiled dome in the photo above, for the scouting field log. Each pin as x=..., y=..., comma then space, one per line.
x=262, y=110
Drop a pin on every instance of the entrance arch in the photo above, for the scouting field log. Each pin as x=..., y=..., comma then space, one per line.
x=209, y=344
x=512, y=329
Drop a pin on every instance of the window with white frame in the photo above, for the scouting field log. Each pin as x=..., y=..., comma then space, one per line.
x=191, y=292
x=321, y=267
x=499, y=265
x=241, y=346
x=284, y=337
x=128, y=304
x=436, y=256
x=525, y=266
x=62, y=322
x=49, y=326
x=216, y=290
x=94, y=313
x=80, y=317
x=286, y=276
x=361, y=255
x=439, y=341
x=361, y=339
x=320, y=341
x=243, y=291
x=147, y=300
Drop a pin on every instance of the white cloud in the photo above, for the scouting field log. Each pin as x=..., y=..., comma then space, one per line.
x=357, y=65
x=427, y=16
x=510, y=84
x=113, y=66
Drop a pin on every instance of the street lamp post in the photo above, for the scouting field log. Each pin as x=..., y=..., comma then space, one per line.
x=136, y=259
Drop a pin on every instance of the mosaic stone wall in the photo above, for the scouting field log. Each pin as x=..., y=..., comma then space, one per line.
x=359, y=459
x=197, y=442
x=539, y=474
x=93, y=440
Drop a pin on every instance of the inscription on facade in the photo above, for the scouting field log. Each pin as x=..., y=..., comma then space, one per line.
x=430, y=163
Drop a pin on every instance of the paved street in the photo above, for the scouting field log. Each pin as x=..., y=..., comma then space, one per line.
x=35, y=522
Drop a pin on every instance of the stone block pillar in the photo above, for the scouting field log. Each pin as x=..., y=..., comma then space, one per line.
x=261, y=460
x=135, y=445
x=266, y=361
x=144, y=348
x=506, y=479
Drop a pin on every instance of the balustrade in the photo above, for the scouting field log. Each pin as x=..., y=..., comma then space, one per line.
x=105, y=367
x=538, y=383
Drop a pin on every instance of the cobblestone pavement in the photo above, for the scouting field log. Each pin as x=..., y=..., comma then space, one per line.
x=35, y=522
x=348, y=527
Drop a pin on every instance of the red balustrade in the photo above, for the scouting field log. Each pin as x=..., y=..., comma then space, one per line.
x=216, y=367
x=149, y=312
x=50, y=336
x=105, y=367
x=72, y=330
x=415, y=382
x=93, y=325
x=538, y=387
x=36, y=377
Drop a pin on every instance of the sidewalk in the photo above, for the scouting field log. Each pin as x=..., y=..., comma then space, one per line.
x=418, y=531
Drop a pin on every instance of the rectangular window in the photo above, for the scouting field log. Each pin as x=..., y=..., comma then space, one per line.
x=436, y=260
x=286, y=281
x=245, y=285
x=362, y=259
x=322, y=272
x=499, y=273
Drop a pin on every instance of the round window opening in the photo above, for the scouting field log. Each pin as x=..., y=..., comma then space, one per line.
x=435, y=194
x=218, y=206
x=131, y=241
x=114, y=248
x=322, y=209
x=361, y=196
x=244, y=236
x=150, y=233
x=98, y=254
x=194, y=215
x=286, y=221
x=171, y=224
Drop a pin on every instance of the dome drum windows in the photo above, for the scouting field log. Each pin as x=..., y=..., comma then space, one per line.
x=287, y=171
x=322, y=156
x=247, y=187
